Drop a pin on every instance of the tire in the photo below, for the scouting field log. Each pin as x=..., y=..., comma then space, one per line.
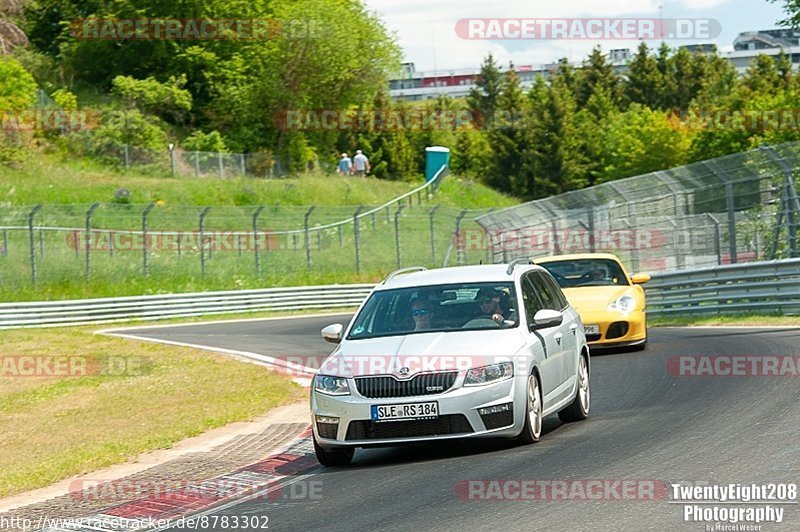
x=340, y=456
x=640, y=347
x=532, y=431
x=578, y=410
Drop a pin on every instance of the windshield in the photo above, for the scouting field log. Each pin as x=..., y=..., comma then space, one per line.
x=438, y=308
x=586, y=272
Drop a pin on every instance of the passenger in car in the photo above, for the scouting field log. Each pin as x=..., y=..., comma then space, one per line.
x=489, y=301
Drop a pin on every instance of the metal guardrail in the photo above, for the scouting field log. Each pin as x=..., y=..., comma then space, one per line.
x=109, y=310
x=771, y=287
x=762, y=287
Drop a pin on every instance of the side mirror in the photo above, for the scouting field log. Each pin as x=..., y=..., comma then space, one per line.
x=640, y=278
x=333, y=333
x=546, y=318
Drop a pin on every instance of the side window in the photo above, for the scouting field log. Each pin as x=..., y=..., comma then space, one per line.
x=545, y=291
x=530, y=299
x=561, y=299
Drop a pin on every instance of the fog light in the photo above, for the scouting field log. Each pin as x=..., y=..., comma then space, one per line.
x=494, y=409
x=328, y=419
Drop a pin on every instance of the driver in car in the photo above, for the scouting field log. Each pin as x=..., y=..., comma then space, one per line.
x=422, y=313
x=489, y=301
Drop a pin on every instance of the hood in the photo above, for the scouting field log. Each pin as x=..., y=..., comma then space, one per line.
x=593, y=298
x=406, y=356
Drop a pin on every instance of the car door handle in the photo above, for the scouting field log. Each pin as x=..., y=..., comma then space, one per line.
x=558, y=337
x=573, y=328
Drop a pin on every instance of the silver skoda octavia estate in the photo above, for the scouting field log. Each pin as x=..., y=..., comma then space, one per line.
x=467, y=352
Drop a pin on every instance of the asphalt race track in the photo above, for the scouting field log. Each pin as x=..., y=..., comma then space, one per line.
x=646, y=424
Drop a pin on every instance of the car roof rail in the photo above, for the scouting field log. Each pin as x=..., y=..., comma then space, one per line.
x=516, y=262
x=404, y=270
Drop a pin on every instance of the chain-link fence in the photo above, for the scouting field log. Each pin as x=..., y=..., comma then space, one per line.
x=728, y=210
x=115, y=249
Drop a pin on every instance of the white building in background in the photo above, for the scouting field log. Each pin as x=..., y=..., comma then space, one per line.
x=747, y=46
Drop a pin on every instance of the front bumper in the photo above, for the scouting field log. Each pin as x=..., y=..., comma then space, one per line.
x=458, y=415
x=616, y=329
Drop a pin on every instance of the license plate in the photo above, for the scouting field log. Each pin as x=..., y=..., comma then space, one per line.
x=405, y=411
x=591, y=329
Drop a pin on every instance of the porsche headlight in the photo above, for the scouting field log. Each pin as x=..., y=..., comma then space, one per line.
x=489, y=374
x=331, y=385
x=623, y=304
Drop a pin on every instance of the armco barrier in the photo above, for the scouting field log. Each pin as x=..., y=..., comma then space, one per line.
x=771, y=287
x=755, y=287
x=107, y=310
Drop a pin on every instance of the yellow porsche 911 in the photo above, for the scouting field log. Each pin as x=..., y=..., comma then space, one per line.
x=610, y=302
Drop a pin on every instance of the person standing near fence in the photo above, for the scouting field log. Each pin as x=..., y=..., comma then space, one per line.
x=345, y=165
x=361, y=164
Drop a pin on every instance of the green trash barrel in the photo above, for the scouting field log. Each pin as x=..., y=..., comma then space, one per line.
x=435, y=158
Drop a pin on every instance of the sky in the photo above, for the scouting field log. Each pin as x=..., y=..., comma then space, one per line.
x=426, y=29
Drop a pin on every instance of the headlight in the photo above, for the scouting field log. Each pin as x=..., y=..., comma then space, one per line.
x=487, y=374
x=623, y=304
x=331, y=385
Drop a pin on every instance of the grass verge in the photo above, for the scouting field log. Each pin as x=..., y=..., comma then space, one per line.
x=730, y=321
x=114, y=400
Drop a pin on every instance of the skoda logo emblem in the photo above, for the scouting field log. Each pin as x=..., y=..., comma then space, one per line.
x=404, y=371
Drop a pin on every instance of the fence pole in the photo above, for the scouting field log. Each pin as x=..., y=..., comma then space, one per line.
x=255, y=238
x=145, y=212
x=717, y=243
x=172, y=159
x=221, y=165
x=356, y=234
x=397, y=235
x=731, y=221
x=127, y=157
x=197, y=164
x=180, y=239
x=32, y=244
x=241, y=163
x=203, y=214
x=88, y=241
x=341, y=241
x=373, y=220
x=76, y=239
x=431, y=226
x=5, y=242
x=319, y=240
x=459, y=239
x=41, y=242
x=239, y=245
x=111, y=243
x=307, y=236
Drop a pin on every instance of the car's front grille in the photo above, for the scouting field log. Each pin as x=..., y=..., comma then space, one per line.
x=425, y=384
x=371, y=430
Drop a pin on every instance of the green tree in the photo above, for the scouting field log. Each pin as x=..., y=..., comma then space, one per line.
x=168, y=99
x=643, y=140
x=483, y=98
x=17, y=86
x=200, y=141
x=644, y=81
x=507, y=137
x=596, y=75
